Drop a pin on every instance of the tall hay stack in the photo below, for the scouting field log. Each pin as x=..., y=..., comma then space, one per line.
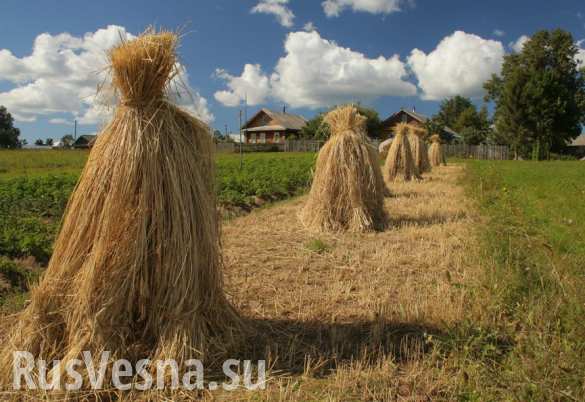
x=436, y=151
x=420, y=152
x=136, y=268
x=348, y=190
x=399, y=163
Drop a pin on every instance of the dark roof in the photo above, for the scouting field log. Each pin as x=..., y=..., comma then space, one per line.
x=86, y=138
x=578, y=142
x=284, y=121
x=423, y=119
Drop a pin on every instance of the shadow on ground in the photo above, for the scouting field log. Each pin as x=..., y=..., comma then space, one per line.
x=291, y=345
x=425, y=219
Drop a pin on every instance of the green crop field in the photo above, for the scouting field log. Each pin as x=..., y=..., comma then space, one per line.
x=35, y=187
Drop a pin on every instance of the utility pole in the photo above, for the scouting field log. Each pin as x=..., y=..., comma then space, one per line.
x=246, y=108
x=226, y=131
x=241, y=151
x=75, y=130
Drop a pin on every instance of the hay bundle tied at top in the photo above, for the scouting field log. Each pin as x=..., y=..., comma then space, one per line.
x=347, y=193
x=420, y=152
x=399, y=163
x=436, y=151
x=136, y=268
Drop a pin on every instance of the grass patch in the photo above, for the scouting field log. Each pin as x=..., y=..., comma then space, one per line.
x=531, y=287
x=317, y=246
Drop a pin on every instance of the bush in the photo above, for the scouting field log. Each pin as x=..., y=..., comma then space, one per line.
x=16, y=277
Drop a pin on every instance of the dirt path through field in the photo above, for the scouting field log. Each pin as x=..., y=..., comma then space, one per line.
x=361, y=304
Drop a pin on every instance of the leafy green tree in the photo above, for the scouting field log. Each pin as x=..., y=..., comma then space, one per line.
x=49, y=142
x=433, y=126
x=39, y=142
x=540, y=95
x=315, y=129
x=473, y=126
x=8, y=133
x=451, y=109
x=460, y=114
x=67, y=140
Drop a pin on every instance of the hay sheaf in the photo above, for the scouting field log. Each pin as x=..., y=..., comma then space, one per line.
x=347, y=193
x=436, y=152
x=136, y=268
x=420, y=152
x=399, y=163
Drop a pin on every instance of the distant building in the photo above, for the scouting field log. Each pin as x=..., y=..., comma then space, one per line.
x=85, y=141
x=412, y=117
x=577, y=147
x=235, y=137
x=270, y=127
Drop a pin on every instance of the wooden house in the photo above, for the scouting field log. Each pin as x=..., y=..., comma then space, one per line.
x=84, y=141
x=412, y=117
x=577, y=146
x=270, y=127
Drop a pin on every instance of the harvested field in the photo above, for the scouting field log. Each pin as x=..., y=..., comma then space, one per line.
x=367, y=305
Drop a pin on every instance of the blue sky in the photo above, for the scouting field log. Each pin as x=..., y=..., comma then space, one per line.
x=364, y=53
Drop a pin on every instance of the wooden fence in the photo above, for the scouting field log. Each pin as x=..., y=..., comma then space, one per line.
x=492, y=152
x=303, y=146
x=483, y=151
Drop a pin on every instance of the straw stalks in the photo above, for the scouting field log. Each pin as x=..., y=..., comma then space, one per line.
x=436, y=152
x=399, y=163
x=348, y=190
x=420, y=152
x=136, y=268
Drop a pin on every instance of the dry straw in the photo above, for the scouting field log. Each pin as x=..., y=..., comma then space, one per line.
x=348, y=190
x=420, y=152
x=436, y=152
x=399, y=162
x=136, y=268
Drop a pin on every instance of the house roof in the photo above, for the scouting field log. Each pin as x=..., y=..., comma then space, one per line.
x=283, y=121
x=266, y=128
x=86, y=137
x=423, y=119
x=579, y=141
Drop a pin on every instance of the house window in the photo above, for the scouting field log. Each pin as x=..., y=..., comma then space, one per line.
x=262, y=138
x=277, y=137
x=253, y=138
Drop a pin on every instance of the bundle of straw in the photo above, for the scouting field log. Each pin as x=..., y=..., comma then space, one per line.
x=348, y=190
x=136, y=268
x=384, y=147
x=436, y=153
x=399, y=162
x=420, y=152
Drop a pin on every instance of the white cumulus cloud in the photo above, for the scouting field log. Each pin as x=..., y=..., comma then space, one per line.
x=459, y=65
x=252, y=85
x=316, y=72
x=61, y=76
x=309, y=26
x=333, y=8
x=278, y=8
x=518, y=45
x=499, y=33
x=581, y=54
